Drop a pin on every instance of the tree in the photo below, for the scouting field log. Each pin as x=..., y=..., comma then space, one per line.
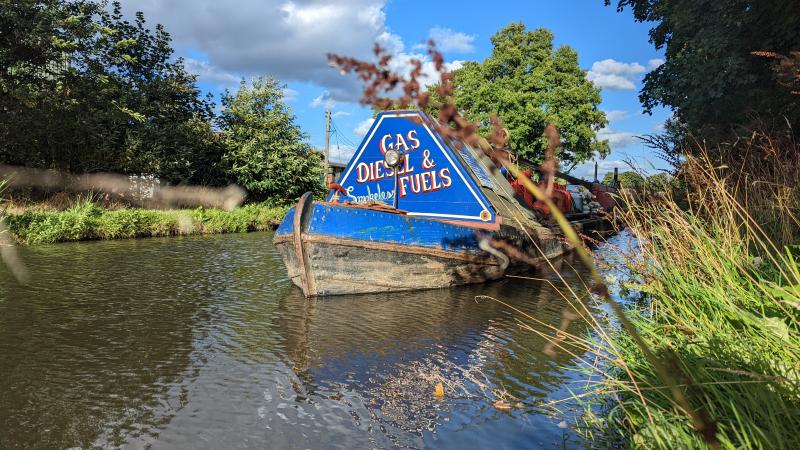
x=37, y=41
x=715, y=75
x=89, y=91
x=660, y=182
x=264, y=148
x=528, y=84
x=628, y=179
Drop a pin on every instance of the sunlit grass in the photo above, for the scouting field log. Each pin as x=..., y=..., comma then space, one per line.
x=720, y=311
x=85, y=220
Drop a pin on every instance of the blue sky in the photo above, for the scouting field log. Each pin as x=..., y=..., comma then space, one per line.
x=223, y=42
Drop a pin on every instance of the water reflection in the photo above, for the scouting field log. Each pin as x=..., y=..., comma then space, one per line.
x=204, y=342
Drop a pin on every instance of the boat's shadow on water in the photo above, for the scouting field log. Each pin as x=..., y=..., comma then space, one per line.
x=393, y=348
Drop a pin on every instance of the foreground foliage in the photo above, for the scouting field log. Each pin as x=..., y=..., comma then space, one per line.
x=87, y=221
x=721, y=310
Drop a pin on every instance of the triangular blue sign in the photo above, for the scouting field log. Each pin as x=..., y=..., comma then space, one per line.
x=433, y=180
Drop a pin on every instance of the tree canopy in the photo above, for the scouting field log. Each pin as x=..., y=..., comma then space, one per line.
x=87, y=90
x=84, y=89
x=528, y=84
x=720, y=56
x=266, y=151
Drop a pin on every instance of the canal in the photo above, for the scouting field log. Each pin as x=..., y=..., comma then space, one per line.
x=203, y=342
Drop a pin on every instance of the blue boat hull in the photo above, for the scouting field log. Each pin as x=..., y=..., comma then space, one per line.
x=334, y=249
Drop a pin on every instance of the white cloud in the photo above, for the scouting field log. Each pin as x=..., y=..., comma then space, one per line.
x=390, y=42
x=615, y=75
x=611, y=66
x=341, y=114
x=289, y=40
x=401, y=64
x=286, y=39
x=340, y=154
x=448, y=40
x=610, y=81
x=207, y=73
x=654, y=63
x=324, y=99
x=615, y=115
x=617, y=139
x=363, y=127
x=289, y=94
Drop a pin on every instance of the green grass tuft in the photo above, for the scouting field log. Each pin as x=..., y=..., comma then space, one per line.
x=87, y=221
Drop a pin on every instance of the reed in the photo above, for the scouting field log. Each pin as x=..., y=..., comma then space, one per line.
x=720, y=310
x=762, y=171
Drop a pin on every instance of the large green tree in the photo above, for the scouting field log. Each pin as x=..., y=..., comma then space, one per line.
x=83, y=89
x=528, y=84
x=266, y=150
x=715, y=76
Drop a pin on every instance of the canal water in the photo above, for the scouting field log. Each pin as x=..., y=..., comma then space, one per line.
x=203, y=342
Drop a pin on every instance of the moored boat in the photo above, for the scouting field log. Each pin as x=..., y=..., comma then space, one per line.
x=415, y=210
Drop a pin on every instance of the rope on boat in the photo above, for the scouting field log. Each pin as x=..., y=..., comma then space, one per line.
x=485, y=245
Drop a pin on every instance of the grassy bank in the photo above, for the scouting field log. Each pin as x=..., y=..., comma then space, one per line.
x=87, y=221
x=720, y=311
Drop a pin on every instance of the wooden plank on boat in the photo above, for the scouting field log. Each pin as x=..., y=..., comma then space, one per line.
x=300, y=222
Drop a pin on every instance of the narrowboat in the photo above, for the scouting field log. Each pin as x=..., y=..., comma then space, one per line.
x=414, y=209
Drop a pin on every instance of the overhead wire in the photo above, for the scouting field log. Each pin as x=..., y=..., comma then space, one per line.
x=340, y=138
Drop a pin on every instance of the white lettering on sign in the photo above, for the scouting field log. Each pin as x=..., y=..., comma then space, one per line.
x=379, y=195
x=422, y=183
x=398, y=142
x=418, y=183
x=378, y=170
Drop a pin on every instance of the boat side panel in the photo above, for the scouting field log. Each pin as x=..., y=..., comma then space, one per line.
x=286, y=249
x=287, y=224
x=363, y=224
x=343, y=269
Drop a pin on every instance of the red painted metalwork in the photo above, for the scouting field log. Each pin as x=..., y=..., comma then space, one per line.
x=560, y=196
x=603, y=195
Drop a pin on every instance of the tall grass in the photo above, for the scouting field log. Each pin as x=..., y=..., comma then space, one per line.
x=85, y=220
x=721, y=312
x=8, y=253
x=762, y=171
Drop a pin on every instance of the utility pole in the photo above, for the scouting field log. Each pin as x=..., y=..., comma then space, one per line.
x=328, y=173
x=327, y=136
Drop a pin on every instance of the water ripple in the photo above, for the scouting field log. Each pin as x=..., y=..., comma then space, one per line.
x=202, y=342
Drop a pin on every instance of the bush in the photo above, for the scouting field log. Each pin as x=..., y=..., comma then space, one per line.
x=265, y=149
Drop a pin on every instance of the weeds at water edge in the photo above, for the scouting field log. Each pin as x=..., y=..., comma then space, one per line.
x=721, y=312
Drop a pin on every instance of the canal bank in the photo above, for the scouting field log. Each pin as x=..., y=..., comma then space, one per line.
x=86, y=220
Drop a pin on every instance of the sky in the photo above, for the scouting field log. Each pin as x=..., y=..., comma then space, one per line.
x=223, y=42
